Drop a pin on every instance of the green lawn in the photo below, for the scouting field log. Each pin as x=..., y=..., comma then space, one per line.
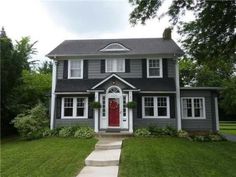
x=59, y=157
x=175, y=157
x=228, y=127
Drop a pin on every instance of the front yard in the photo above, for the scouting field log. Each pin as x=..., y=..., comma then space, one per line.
x=175, y=157
x=228, y=127
x=47, y=157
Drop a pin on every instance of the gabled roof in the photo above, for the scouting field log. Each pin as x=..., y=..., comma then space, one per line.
x=135, y=46
x=117, y=77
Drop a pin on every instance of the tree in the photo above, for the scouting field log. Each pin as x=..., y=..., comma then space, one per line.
x=46, y=67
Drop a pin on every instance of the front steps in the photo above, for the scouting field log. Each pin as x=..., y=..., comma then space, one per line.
x=104, y=160
x=113, y=134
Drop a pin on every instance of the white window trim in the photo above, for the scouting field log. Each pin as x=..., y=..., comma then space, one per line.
x=116, y=65
x=161, y=68
x=193, y=113
x=74, y=109
x=155, y=108
x=122, y=48
x=69, y=69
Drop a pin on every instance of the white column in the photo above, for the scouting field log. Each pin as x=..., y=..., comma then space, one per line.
x=96, y=114
x=53, y=96
x=217, y=114
x=178, y=108
x=130, y=113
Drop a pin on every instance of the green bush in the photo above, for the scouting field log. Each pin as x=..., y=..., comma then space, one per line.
x=84, y=132
x=54, y=132
x=156, y=131
x=32, y=123
x=95, y=105
x=131, y=105
x=216, y=137
x=170, y=131
x=66, y=132
x=182, y=134
x=142, y=132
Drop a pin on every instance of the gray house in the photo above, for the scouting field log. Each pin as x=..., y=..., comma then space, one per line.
x=117, y=71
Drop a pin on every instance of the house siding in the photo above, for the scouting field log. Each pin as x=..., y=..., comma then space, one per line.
x=200, y=124
x=60, y=67
x=171, y=68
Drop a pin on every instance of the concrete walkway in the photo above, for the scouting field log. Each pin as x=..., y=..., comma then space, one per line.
x=230, y=137
x=104, y=160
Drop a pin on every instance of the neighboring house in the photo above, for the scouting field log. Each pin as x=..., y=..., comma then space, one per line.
x=116, y=71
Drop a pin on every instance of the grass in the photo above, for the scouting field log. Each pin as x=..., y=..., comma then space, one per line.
x=47, y=157
x=228, y=127
x=175, y=157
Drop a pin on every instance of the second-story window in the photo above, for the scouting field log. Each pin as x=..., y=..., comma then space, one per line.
x=154, y=68
x=115, y=65
x=75, y=69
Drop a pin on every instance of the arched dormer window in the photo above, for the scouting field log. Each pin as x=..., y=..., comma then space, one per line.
x=114, y=47
x=114, y=90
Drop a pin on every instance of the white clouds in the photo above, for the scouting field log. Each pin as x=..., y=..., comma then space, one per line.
x=43, y=22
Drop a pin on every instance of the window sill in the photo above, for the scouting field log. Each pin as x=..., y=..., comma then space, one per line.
x=156, y=117
x=74, y=117
x=193, y=118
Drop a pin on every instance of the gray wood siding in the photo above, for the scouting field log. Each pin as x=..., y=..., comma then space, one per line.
x=74, y=122
x=171, y=67
x=94, y=70
x=60, y=69
x=199, y=124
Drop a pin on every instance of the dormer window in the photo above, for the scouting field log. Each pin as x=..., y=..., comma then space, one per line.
x=115, y=65
x=114, y=47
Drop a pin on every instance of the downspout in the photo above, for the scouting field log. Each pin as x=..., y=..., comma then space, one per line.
x=53, y=96
x=179, y=126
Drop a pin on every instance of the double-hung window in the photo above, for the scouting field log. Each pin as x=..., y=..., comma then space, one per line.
x=154, y=68
x=115, y=65
x=74, y=107
x=155, y=107
x=193, y=108
x=75, y=69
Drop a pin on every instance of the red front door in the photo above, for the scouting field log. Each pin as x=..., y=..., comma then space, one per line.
x=114, y=115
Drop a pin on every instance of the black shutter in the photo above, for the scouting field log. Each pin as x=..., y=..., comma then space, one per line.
x=127, y=65
x=165, y=67
x=58, y=108
x=85, y=69
x=65, y=69
x=90, y=109
x=144, y=68
x=172, y=107
x=139, y=106
x=102, y=66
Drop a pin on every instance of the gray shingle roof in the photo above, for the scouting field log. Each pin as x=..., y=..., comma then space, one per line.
x=137, y=46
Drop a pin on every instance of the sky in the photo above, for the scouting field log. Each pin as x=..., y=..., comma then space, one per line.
x=52, y=21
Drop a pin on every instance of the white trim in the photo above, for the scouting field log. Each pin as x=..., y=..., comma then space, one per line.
x=178, y=108
x=113, y=75
x=115, y=59
x=53, y=96
x=130, y=113
x=193, y=112
x=217, y=114
x=155, y=107
x=161, y=68
x=70, y=93
x=93, y=91
x=96, y=113
x=75, y=108
x=69, y=69
x=122, y=48
x=157, y=91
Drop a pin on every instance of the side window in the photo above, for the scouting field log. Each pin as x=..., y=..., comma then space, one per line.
x=75, y=69
x=154, y=68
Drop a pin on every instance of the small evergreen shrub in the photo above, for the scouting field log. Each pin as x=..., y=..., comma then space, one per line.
x=32, y=123
x=67, y=132
x=182, y=134
x=84, y=132
x=216, y=137
x=142, y=132
x=170, y=131
x=156, y=131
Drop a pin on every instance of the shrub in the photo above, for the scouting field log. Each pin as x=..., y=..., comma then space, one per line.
x=142, y=132
x=182, y=134
x=84, y=132
x=170, y=131
x=156, y=131
x=95, y=105
x=131, y=105
x=216, y=137
x=32, y=123
x=200, y=138
x=66, y=132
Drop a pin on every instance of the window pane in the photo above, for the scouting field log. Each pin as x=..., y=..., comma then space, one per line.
x=103, y=106
x=148, y=101
x=80, y=112
x=124, y=106
x=198, y=107
x=187, y=107
x=154, y=72
x=149, y=111
x=109, y=65
x=68, y=102
x=154, y=67
x=162, y=111
x=120, y=66
x=68, y=112
x=75, y=73
x=75, y=64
